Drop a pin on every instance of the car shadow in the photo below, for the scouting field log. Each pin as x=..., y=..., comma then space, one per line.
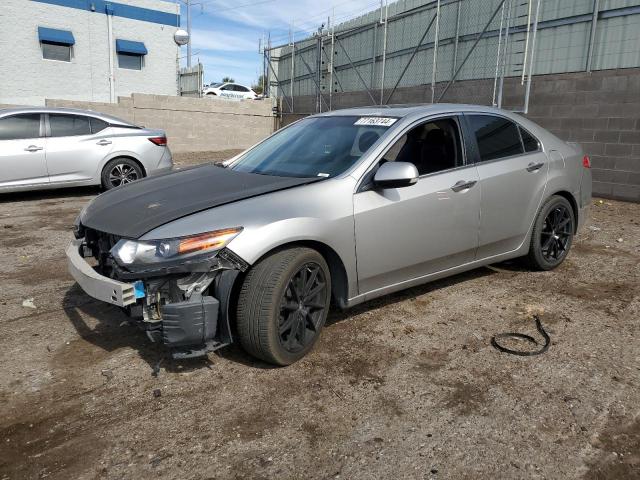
x=113, y=330
x=54, y=194
x=337, y=315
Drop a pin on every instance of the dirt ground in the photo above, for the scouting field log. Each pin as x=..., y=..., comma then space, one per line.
x=405, y=387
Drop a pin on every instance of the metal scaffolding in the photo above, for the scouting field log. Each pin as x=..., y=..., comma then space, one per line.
x=458, y=50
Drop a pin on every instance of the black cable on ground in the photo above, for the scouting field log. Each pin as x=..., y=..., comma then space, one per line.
x=522, y=336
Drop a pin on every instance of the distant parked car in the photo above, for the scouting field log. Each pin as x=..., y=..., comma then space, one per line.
x=61, y=147
x=230, y=90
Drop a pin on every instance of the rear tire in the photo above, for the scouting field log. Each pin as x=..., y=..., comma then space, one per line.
x=552, y=234
x=283, y=305
x=120, y=171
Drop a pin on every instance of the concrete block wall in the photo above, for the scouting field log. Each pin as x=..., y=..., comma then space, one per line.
x=599, y=110
x=192, y=124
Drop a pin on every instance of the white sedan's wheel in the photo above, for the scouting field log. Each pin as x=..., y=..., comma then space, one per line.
x=120, y=171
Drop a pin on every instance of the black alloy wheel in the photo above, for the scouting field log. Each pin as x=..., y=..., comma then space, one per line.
x=552, y=235
x=556, y=233
x=302, y=309
x=283, y=304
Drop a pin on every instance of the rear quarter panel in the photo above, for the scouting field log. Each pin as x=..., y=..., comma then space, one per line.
x=134, y=144
x=566, y=172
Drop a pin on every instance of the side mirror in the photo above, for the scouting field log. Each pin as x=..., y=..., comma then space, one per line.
x=396, y=175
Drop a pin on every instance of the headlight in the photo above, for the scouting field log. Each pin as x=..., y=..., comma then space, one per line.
x=145, y=252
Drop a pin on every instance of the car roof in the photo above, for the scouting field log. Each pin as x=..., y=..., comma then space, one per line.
x=233, y=83
x=75, y=111
x=405, y=110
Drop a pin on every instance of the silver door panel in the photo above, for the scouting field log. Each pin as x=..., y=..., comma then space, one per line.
x=76, y=158
x=511, y=190
x=413, y=231
x=22, y=162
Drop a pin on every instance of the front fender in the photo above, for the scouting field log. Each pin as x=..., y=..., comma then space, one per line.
x=320, y=212
x=254, y=243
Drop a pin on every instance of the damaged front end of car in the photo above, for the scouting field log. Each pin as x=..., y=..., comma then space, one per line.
x=177, y=290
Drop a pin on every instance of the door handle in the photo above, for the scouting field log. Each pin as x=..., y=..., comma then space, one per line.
x=32, y=148
x=103, y=142
x=463, y=185
x=534, y=167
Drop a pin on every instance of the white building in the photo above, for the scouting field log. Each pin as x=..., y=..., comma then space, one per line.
x=89, y=50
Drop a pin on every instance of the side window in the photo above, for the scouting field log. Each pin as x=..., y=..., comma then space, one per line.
x=68, y=125
x=227, y=87
x=97, y=125
x=129, y=61
x=20, y=126
x=497, y=137
x=54, y=51
x=241, y=88
x=530, y=143
x=432, y=147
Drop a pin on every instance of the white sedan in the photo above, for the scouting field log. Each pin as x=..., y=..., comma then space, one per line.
x=44, y=147
x=229, y=90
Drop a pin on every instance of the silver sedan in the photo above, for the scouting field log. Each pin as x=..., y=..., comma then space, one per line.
x=60, y=147
x=337, y=208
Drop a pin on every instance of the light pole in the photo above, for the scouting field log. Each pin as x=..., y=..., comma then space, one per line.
x=189, y=33
x=188, y=4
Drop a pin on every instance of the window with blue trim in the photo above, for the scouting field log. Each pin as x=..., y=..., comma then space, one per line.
x=130, y=62
x=56, y=44
x=130, y=54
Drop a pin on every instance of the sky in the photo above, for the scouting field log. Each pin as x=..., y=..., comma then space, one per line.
x=226, y=33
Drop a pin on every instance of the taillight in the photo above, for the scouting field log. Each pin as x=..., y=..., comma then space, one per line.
x=586, y=161
x=160, y=141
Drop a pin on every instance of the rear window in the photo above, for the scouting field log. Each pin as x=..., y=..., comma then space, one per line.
x=20, y=126
x=497, y=137
x=68, y=125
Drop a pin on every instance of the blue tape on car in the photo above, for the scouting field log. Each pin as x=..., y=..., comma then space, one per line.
x=138, y=289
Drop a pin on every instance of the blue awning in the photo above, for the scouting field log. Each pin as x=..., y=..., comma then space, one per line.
x=131, y=47
x=51, y=35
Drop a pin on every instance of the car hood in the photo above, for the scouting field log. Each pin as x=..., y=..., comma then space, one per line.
x=132, y=210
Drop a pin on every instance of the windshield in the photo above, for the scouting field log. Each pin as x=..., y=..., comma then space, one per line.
x=315, y=147
x=215, y=85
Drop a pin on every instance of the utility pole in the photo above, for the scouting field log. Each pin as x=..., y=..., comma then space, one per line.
x=189, y=32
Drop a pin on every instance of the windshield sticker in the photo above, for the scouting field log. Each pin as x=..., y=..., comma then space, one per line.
x=376, y=121
x=325, y=175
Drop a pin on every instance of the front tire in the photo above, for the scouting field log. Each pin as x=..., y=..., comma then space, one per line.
x=552, y=234
x=120, y=171
x=283, y=305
